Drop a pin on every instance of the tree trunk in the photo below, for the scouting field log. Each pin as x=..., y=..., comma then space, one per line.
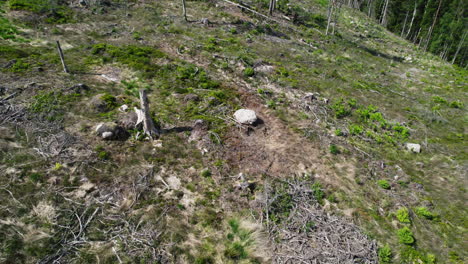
x=330, y=14
x=431, y=29
x=412, y=19
x=383, y=20
x=272, y=7
x=65, y=69
x=459, y=47
x=148, y=124
x=184, y=10
x=404, y=24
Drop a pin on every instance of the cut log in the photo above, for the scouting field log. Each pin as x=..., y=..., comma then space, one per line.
x=148, y=124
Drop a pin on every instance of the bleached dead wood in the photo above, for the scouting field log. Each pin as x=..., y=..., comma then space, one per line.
x=148, y=125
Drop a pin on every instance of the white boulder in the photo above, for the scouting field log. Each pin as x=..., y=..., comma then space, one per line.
x=416, y=148
x=245, y=116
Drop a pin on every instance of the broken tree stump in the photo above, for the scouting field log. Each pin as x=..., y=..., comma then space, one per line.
x=148, y=125
x=65, y=69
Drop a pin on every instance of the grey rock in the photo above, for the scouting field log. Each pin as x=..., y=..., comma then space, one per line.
x=98, y=105
x=129, y=121
x=191, y=98
x=413, y=147
x=245, y=116
x=111, y=131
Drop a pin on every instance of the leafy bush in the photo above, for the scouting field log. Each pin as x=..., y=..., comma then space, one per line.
x=385, y=254
x=338, y=132
x=405, y=236
x=383, y=184
x=424, y=212
x=403, y=215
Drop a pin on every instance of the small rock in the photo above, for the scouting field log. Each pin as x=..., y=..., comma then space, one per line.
x=123, y=108
x=79, y=88
x=245, y=116
x=3, y=90
x=191, y=98
x=265, y=69
x=310, y=97
x=107, y=135
x=415, y=148
x=130, y=121
x=98, y=104
x=111, y=131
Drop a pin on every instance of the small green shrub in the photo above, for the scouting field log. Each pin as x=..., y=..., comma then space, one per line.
x=439, y=100
x=383, y=184
x=402, y=215
x=338, y=132
x=385, y=254
x=20, y=66
x=334, y=149
x=456, y=104
x=206, y=173
x=424, y=212
x=36, y=177
x=110, y=100
x=405, y=236
x=341, y=110
x=318, y=192
x=249, y=72
x=355, y=129
x=103, y=155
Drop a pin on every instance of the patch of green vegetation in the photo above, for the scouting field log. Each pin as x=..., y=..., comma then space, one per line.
x=54, y=12
x=19, y=66
x=341, y=109
x=385, y=255
x=424, y=212
x=334, y=149
x=384, y=184
x=402, y=215
x=355, y=129
x=206, y=173
x=136, y=57
x=405, y=236
x=36, y=177
x=238, y=239
x=456, y=104
x=110, y=100
x=318, y=192
x=249, y=72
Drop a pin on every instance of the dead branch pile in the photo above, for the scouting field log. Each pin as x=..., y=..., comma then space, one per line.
x=309, y=234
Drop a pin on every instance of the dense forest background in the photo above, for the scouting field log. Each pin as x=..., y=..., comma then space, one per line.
x=437, y=26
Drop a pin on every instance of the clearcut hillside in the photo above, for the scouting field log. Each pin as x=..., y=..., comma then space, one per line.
x=324, y=175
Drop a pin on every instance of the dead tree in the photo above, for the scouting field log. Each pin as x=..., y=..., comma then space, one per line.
x=65, y=69
x=148, y=125
x=431, y=29
x=460, y=45
x=184, y=10
x=383, y=21
x=272, y=7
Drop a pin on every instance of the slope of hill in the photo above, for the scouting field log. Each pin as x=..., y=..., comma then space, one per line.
x=325, y=174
